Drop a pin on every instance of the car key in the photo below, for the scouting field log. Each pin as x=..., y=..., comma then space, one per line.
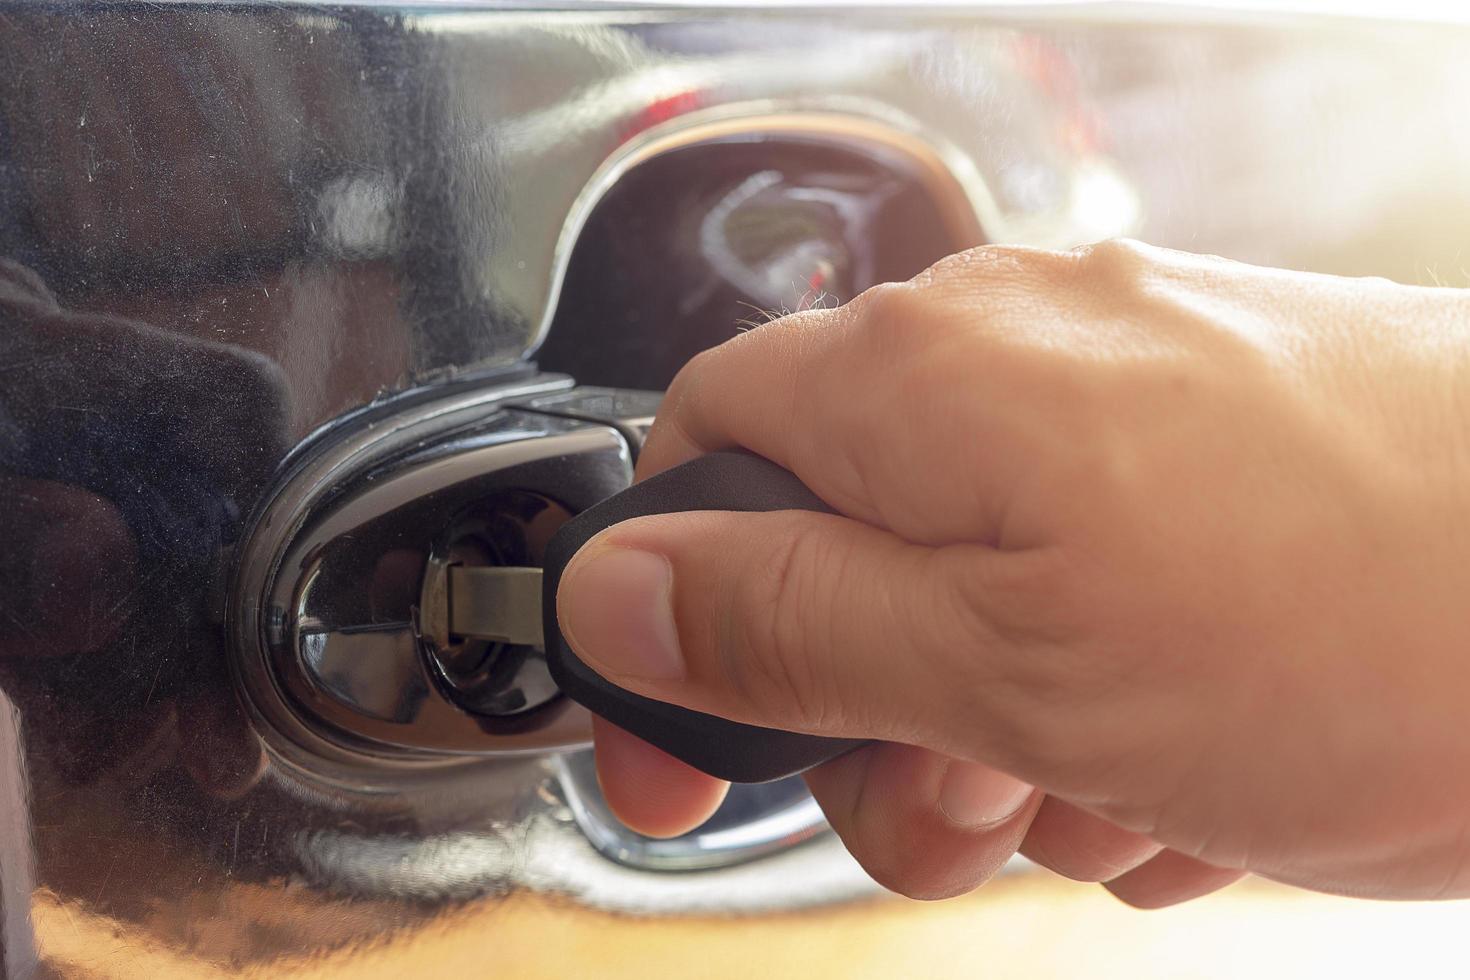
x=725, y=481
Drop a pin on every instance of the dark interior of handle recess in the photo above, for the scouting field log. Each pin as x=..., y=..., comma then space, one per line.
x=726, y=481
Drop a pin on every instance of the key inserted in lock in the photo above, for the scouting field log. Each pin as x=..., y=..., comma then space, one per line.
x=517, y=605
x=502, y=604
x=479, y=612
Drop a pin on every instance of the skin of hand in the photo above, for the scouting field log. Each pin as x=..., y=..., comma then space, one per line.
x=1153, y=565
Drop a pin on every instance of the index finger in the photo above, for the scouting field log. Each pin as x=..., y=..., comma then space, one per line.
x=836, y=396
x=743, y=393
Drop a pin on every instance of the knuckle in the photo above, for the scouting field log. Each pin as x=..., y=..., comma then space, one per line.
x=890, y=307
x=997, y=260
x=899, y=322
x=1118, y=267
x=899, y=318
x=892, y=325
x=1116, y=254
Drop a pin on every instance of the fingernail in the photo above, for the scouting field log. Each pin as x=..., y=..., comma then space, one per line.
x=973, y=795
x=616, y=609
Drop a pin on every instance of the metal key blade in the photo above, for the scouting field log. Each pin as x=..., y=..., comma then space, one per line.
x=501, y=603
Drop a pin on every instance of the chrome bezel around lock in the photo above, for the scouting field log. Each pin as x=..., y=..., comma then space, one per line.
x=394, y=478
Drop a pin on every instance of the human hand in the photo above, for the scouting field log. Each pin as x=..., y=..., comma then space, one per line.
x=1153, y=565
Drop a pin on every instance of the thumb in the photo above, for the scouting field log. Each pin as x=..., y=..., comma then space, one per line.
x=790, y=619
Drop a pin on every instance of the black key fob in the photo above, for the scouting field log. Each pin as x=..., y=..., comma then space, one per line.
x=728, y=481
